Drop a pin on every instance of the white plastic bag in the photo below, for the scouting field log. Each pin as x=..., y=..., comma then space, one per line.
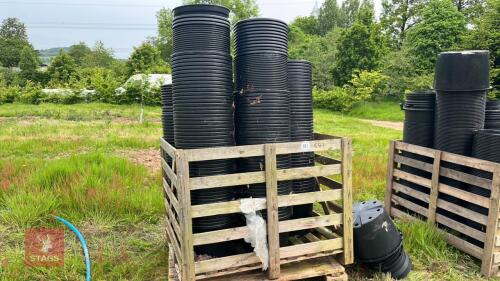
x=258, y=229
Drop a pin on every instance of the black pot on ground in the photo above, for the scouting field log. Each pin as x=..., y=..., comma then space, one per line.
x=377, y=242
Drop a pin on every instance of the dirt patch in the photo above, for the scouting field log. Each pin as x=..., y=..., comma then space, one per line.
x=385, y=124
x=147, y=157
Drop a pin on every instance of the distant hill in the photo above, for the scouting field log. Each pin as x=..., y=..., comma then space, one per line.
x=46, y=55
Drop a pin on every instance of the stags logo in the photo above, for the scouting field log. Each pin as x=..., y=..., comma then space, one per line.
x=44, y=247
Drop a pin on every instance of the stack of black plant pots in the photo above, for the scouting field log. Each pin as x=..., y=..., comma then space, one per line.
x=301, y=119
x=418, y=130
x=377, y=242
x=461, y=83
x=262, y=98
x=492, y=118
x=203, y=101
x=167, y=116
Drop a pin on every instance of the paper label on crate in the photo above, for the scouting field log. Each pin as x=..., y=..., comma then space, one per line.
x=305, y=146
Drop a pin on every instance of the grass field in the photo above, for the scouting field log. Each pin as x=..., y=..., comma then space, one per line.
x=383, y=110
x=98, y=166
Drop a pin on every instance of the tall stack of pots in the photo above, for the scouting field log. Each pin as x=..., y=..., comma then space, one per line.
x=167, y=116
x=492, y=118
x=262, y=99
x=203, y=101
x=418, y=129
x=461, y=83
x=301, y=119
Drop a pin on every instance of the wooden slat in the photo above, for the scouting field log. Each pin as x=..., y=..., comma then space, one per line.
x=272, y=211
x=415, y=149
x=411, y=192
x=173, y=200
x=463, y=245
x=185, y=217
x=396, y=213
x=226, y=262
x=170, y=174
x=492, y=225
x=284, y=226
x=328, y=182
x=467, y=178
x=168, y=148
x=324, y=160
x=244, y=151
x=347, y=200
x=409, y=205
x=462, y=228
x=465, y=195
x=173, y=241
x=312, y=248
x=461, y=211
x=469, y=162
x=259, y=177
x=173, y=221
x=283, y=201
x=390, y=176
x=413, y=163
x=435, y=188
x=412, y=178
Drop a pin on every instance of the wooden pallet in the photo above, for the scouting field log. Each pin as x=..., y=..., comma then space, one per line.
x=328, y=237
x=326, y=267
x=457, y=233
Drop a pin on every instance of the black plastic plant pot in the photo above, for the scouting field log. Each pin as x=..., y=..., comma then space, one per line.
x=493, y=105
x=377, y=242
x=375, y=235
x=202, y=9
x=462, y=71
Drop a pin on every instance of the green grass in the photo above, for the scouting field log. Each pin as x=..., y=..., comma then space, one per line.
x=383, y=110
x=71, y=160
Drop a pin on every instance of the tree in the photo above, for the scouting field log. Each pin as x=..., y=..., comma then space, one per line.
x=62, y=68
x=99, y=56
x=144, y=59
x=471, y=9
x=308, y=24
x=348, y=13
x=441, y=27
x=486, y=36
x=397, y=17
x=13, y=28
x=240, y=9
x=164, y=40
x=329, y=16
x=29, y=62
x=360, y=47
x=13, y=39
x=79, y=51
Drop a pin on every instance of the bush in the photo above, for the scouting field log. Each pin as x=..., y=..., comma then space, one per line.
x=139, y=91
x=62, y=96
x=31, y=94
x=369, y=85
x=338, y=99
x=9, y=94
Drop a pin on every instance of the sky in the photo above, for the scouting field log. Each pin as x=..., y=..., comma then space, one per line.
x=120, y=24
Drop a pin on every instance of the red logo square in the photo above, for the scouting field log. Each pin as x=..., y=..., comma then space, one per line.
x=44, y=247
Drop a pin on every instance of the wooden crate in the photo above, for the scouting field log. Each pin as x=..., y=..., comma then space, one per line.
x=329, y=237
x=455, y=231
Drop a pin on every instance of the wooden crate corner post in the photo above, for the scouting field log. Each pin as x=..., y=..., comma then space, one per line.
x=346, y=148
x=390, y=177
x=492, y=227
x=272, y=211
x=188, y=270
x=433, y=197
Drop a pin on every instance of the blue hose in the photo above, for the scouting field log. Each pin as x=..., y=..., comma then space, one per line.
x=82, y=241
